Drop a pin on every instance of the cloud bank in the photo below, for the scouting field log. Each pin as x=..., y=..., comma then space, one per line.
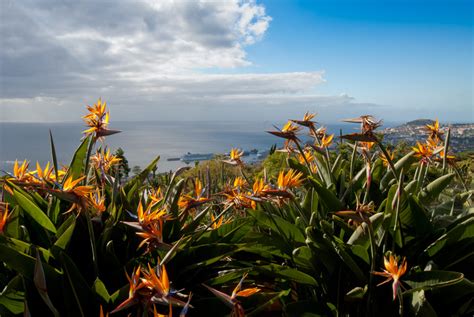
x=148, y=59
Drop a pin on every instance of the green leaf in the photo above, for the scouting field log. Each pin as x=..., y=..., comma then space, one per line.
x=360, y=236
x=461, y=234
x=100, y=289
x=77, y=283
x=287, y=273
x=323, y=168
x=196, y=221
x=349, y=261
x=140, y=178
x=279, y=225
x=432, y=279
x=40, y=283
x=34, y=211
x=294, y=164
x=65, y=237
x=414, y=219
x=411, y=186
x=327, y=197
x=455, y=299
x=12, y=297
x=402, y=163
x=417, y=304
x=119, y=295
x=304, y=257
x=433, y=189
x=12, y=228
x=24, y=247
x=261, y=245
x=53, y=155
x=173, y=198
x=357, y=293
x=77, y=166
x=54, y=209
x=25, y=264
x=269, y=302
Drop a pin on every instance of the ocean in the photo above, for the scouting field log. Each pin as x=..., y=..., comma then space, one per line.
x=141, y=141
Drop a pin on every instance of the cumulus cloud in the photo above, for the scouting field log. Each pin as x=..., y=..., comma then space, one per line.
x=147, y=55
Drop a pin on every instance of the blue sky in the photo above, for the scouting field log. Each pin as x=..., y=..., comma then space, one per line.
x=237, y=59
x=400, y=53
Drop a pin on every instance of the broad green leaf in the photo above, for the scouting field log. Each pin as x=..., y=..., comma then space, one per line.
x=33, y=211
x=173, y=198
x=270, y=249
x=414, y=220
x=25, y=264
x=12, y=297
x=40, y=283
x=403, y=162
x=231, y=277
x=411, y=187
x=269, y=302
x=417, y=304
x=287, y=273
x=54, y=209
x=361, y=235
x=65, y=225
x=349, y=261
x=357, y=293
x=77, y=166
x=232, y=232
x=432, y=279
x=304, y=257
x=279, y=225
x=327, y=197
x=63, y=240
x=322, y=167
x=461, y=234
x=140, y=178
x=12, y=228
x=196, y=222
x=455, y=298
x=433, y=189
x=294, y=164
x=77, y=284
x=100, y=290
x=24, y=247
x=119, y=295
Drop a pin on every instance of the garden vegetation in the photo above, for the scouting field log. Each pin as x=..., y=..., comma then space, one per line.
x=318, y=229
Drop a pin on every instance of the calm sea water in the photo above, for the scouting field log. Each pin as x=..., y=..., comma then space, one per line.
x=141, y=141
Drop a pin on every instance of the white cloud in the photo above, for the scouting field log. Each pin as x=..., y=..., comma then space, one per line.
x=146, y=56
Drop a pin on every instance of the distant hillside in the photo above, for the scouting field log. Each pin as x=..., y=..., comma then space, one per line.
x=418, y=122
x=462, y=134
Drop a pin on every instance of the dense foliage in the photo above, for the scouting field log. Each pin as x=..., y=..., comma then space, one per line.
x=318, y=229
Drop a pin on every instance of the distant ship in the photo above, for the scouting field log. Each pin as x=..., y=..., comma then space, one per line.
x=193, y=157
x=262, y=154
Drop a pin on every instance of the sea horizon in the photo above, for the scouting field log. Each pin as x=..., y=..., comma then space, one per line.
x=142, y=141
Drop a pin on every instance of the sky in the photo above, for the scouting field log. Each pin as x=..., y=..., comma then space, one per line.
x=237, y=60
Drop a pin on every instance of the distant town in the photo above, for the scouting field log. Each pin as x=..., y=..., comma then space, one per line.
x=461, y=139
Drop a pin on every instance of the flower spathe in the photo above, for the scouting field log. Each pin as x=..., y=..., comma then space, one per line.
x=434, y=131
x=151, y=286
x=231, y=301
x=289, y=179
x=423, y=151
x=98, y=120
x=3, y=216
x=393, y=272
